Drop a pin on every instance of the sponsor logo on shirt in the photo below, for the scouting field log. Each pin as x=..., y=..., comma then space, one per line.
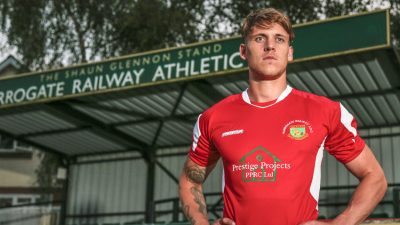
x=232, y=132
x=297, y=130
x=259, y=165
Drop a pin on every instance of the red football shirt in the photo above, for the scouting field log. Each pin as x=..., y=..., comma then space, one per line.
x=272, y=153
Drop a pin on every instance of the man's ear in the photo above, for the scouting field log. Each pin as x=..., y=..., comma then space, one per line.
x=290, y=54
x=242, y=50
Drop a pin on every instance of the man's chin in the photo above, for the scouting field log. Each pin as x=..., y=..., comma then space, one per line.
x=267, y=76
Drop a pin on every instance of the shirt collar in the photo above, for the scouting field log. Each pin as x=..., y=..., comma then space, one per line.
x=282, y=96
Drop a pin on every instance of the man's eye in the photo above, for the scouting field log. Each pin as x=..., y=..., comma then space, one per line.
x=280, y=40
x=259, y=39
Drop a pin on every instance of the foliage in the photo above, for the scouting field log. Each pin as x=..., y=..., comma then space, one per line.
x=51, y=33
x=46, y=173
x=60, y=32
x=232, y=13
x=395, y=20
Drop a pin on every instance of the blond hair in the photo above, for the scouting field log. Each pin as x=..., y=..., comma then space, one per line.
x=265, y=18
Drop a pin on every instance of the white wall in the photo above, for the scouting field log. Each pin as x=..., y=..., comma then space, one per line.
x=16, y=172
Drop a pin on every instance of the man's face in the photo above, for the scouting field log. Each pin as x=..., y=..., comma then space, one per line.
x=267, y=52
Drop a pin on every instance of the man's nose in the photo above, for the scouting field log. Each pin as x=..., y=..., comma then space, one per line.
x=269, y=45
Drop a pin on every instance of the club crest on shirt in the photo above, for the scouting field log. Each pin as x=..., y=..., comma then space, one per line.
x=297, y=130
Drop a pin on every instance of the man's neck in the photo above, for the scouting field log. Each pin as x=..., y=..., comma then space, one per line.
x=266, y=90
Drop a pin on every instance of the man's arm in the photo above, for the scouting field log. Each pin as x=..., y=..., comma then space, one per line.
x=191, y=192
x=370, y=191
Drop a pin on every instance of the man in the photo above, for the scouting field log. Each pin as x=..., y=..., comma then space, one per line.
x=271, y=139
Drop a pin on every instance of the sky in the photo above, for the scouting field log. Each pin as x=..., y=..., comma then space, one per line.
x=7, y=50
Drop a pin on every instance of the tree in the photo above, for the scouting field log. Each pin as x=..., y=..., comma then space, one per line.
x=46, y=173
x=59, y=32
x=231, y=13
x=149, y=24
x=395, y=20
x=26, y=34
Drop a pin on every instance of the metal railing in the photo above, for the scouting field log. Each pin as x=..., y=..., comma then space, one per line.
x=47, y=213
x=216, y=208
x=168, y=211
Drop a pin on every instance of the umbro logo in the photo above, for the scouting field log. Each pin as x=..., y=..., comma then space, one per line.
x=232, y=132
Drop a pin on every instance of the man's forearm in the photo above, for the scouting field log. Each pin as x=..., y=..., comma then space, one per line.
x=193, y=204
x=367, y=195
x=191, y=193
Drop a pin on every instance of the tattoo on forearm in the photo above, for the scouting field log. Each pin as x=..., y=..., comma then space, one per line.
x=188, y=216
x=199, y=199
x=195, y=174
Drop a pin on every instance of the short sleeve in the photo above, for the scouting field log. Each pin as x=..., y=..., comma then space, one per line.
x=343, y=141
x=202, y=151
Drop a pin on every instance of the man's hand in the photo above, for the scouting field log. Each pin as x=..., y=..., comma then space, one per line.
x=224, y=221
